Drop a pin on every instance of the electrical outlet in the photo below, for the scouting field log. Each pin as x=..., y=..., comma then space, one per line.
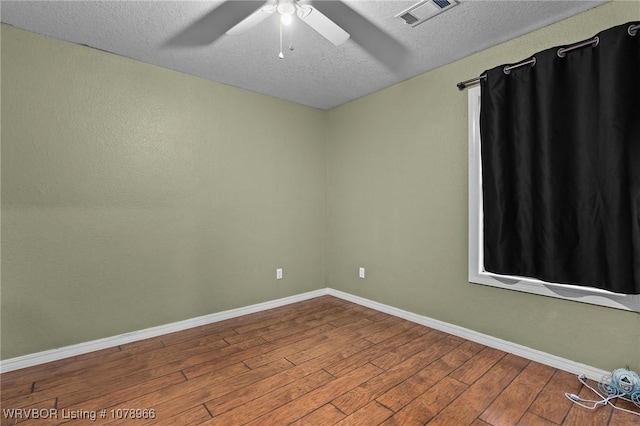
x=279, y=274
x=361, y=273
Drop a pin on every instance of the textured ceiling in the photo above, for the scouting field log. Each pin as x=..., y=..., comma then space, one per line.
x=382, y=49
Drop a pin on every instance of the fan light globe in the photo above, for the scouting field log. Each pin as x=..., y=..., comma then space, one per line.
x=286, y=8
x=286, y=18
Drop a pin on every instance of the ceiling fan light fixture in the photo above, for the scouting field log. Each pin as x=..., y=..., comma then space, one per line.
x=286, y=7
x=307, y=14
x=286, y=18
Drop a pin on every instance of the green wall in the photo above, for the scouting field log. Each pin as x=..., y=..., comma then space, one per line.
x=397, y=197
x=135, y=196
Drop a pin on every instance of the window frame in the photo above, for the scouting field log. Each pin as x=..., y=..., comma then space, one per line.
x=477, y=273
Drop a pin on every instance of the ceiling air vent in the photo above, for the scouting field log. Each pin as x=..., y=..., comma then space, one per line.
x=424, y=10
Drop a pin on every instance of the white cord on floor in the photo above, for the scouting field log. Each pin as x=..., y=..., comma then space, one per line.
x=604, y=401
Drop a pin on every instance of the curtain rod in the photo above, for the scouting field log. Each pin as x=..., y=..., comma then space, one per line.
x=463, y=84
x=507, y=70
x=633, y=30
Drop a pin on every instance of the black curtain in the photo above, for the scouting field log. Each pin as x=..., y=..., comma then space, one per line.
x=561, y=165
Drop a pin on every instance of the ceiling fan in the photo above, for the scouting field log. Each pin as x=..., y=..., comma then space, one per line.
x=235, y=17
x=287, y=9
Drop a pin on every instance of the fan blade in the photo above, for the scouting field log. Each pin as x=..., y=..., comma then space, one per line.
x=214, y=24
x=323, y=25
x=252, y=20
x=388, y=51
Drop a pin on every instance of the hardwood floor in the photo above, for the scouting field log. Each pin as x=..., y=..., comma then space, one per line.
x=323, y=361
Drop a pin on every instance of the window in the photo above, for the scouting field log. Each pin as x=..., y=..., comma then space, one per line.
x=478, y=275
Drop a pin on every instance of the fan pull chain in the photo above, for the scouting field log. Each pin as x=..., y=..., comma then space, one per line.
x=291, y=37
x=281, y=55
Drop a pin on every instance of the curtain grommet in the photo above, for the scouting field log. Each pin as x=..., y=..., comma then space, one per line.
x=633, y=30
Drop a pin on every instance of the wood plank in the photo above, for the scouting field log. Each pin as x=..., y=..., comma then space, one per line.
x=263, y=387
x=325, y=415
x=275, y=335
x=271, y=401
x=408, y=390
x=346, y=320
x=470, y=349
x=371, y=414
x=321, y=337
x=403, y=352
x=337, y=338
x=248, y=356
x=530, y=419
x=339, y=354
x=20, y=390
x=619, y=417
x=551, y=404
x=368, y=391
x=337, y=335
x=209, y=363
x=514, y=400
x=394, y=330
x=477, y=398
x=318, y=397
x=208, y=366
x=348, y=364
x=111, y=396
x=171, y=400
x=478, y=422
x=426, y=406
x=477, y=366
x=194, y=416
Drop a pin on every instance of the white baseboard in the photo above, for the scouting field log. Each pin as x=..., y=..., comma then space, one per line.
x=484, y=339
x=108, y=342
